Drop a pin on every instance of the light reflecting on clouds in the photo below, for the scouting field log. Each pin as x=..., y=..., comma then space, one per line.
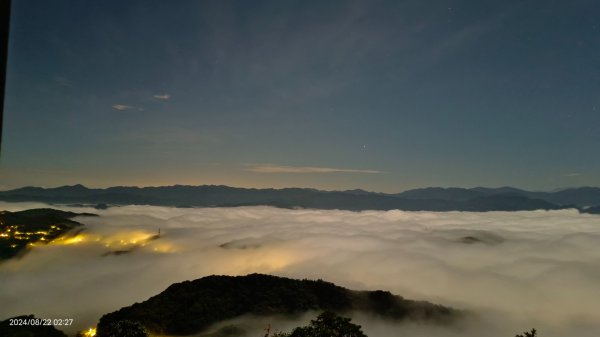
x=516, y=270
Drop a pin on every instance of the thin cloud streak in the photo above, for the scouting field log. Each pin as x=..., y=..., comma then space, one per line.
x=122, y=107
x=65, y=82
x=162, y=97
x=268, y=168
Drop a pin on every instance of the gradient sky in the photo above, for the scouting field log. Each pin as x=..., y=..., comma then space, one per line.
x=379, y=95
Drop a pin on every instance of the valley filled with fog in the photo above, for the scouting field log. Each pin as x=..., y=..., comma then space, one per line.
x=512, y=270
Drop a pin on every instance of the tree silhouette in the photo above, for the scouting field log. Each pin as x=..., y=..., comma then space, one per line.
x=532, y=333
x=327, y=324
x=123, y=329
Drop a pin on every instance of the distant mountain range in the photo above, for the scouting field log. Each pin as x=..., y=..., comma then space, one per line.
x=581, y=196
x=477, y=199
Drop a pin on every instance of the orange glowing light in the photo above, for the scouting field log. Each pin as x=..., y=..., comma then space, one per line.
x=74, y=240
x=79, y=238
x=90, y=333
x=163, y=248
x=127, y=239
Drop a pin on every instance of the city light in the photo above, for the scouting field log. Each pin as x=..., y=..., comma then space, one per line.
x=91, y=332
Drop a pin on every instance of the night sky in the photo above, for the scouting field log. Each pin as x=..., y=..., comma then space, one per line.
x=378, y=95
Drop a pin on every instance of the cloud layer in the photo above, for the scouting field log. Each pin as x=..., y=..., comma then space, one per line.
x=514, y=270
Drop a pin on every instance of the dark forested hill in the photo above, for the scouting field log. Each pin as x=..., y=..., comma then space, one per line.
x=191, y=306
x=19, y=230
x=431, y=199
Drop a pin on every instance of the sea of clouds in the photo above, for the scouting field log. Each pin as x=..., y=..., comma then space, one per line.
x=513, y=270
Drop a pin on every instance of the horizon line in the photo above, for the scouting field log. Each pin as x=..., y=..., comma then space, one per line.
x=304, y=188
